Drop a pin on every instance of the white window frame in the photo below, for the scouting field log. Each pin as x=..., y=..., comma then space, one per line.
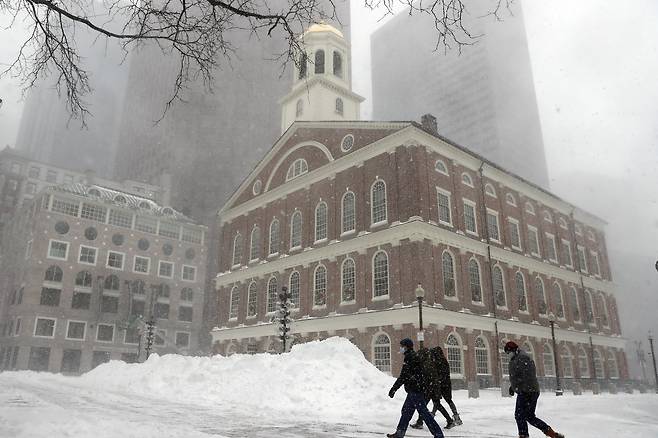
x=583, y=266
x=547, y=216
x=475, y=216
x=440, y=191
x=515, y=223
x=160, y=262
x=292, y=169
x=326, y=286
x=529, y=208
x=490, y=190
x=488, y=356
x=28, y=249
x=454, y=297
x=189, y=339
x=536, y=254
x=123, y=260
x=343, y=231
x=255, y=244
x=560, y=289
x=36, y=323
x=317, y=226
x=148, y=264
x=510, y=199
x=590, y=235
x=270, y=241
x=375, y=359
x=114, y=331
x=342, y=281
x=562, y=223
x=234, y=307
x=550, y=240
x=443, y=170
x=80, y=255
x=495, y=214
x=372, y=205
x=578, y=230
x=460, y=344
x=388, y=277
x=468, y=270
x=50, y=244
x=597, y=264
x=84, y=335
x=466, y=179
x=566, y=244
x=182, y=273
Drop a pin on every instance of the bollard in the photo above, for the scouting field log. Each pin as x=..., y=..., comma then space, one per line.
x=642, y=388
x=577, y=388
x=474, y=389
x=612, y=388
x=629, y=389
x=596, y=388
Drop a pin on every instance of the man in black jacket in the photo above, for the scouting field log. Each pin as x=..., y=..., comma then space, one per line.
x=411, y=376
x=523, y=382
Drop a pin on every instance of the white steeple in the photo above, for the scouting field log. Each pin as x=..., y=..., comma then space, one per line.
x=322, y=84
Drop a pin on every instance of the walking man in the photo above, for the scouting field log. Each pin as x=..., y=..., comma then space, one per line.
x=411, y=376
x=523, y=382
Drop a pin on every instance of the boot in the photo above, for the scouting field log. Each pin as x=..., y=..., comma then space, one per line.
x=450, y=425
x=457, y=420
x=553, y=434
x=418, y=424
x=394, y=435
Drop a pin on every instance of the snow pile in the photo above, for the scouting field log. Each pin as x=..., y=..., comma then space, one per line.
x=331, y=376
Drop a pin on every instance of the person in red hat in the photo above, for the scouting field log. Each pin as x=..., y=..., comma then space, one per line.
x=523, y=382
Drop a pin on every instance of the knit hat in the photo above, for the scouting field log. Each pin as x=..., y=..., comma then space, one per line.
x=511, y=346
x=406, y=342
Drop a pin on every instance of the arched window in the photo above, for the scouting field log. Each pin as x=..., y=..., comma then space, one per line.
x=319, y=62
x=348, y=280
x=254, y=249
x=603, y=310
x=321, y=221
x=296, y=230
x=339, y=106
x=548, y=217
x=441, y=167
x=562, y=223
x=589, y=309
x=338, y=64
x=234, y=303
x=583, y=363
x=567, y=367
x=540, y=296
x=54, y=274
x=320, y=286
x=520, y=292
x=303, y=66
x=380, y=274
x=138, y=287
x=272, y=294
x=83, y=279
x=448, y=265
x=474, y=281
x=510, y=199
x=549, y=361
x=237, y=249
x=299, y=109
x=274, y=237
x=348, y=207
x=252, y=299
x=598, y=365
x=466, y=179
x=455, y=355
x=481, y=356
x=378, y=201
x=231, y=349
x=293, y=290
x=499, y=286
x=382, y=352
x=504, y=359
x=111, y=282
x=298, y=168
x=529, y=208
x=557, y=299
x=575, y=308
x=186, y=294
x=613, y=370
x=527, y=347
x=489, y=190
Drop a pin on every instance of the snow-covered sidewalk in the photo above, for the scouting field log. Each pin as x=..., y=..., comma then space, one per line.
x=320, y=389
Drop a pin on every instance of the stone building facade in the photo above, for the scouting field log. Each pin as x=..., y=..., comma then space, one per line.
x=83, y=270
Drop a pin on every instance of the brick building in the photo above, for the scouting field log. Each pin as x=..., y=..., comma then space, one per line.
x=84, y=266
x=352, y=216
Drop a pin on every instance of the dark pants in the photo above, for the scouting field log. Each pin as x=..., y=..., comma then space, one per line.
x=416, y=401
x=439, y=407
x=526, y=403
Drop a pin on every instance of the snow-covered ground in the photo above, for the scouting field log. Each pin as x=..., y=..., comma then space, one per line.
x=320, y=389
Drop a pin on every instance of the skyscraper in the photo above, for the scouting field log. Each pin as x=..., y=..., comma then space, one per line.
x=483, y=98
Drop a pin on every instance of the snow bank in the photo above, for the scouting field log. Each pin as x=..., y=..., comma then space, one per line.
x=331, y=376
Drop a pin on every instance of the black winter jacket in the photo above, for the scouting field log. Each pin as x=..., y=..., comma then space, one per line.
x=411, y=375
x=523, y=373
x=443, y=368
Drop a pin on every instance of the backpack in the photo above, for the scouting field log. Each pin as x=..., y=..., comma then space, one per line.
x=430, y=381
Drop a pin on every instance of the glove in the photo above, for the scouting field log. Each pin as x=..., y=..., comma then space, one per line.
x=391, y=393
x=511, y=391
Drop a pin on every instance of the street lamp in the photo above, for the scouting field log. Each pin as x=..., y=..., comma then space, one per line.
x=653, y=358
x=420, y=294
x=558, y=388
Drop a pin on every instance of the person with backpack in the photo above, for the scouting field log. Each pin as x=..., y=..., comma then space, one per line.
x=523, y=382
x=439, y=385
x=413, y=379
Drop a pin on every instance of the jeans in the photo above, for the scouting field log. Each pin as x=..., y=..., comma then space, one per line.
x=416, y=401
x=526, y=403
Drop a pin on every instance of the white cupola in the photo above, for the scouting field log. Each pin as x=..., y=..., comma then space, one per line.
x=322, y=83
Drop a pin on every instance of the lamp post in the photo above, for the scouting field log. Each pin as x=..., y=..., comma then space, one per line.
x=420, y=294
x=653, y=358
x=558, y=388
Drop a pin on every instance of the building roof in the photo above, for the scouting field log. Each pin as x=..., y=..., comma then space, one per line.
x=323, y=27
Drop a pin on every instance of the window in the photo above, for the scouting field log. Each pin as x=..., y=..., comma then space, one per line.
x=54, y=274
x=347, y=143
x=319, y=62
x=529, y=208
x=598, y=365
x=527, y=347
x=443, y=202
x=613, y=370
x=109, y=303
x=87, y=255
x=186, y=295
x=51, y=176
x=489, y=190
x=533, y=241
x=93, y=212
x=499, y=286
x=467, y=180
x=299, y=108
x=121, y=218
x=520, y=292
x=272, y=295
x=320, y=286
x=321, y=221
x=237, y=249
x=252, y=300
x=441, y=167
x=380, y=274
x=492, y=226
x=515, y=237
x=112, y=283
x=71, y=361
x=182, y=339
x=65, y=206
x=583, y=363
x=474, y=281
x=166, y=269
x=191, y=235
x=339, y=106
x=382, y=353
x=540, y=296
x=50, y=296
x=274, y=237
x=582, y=259
x=548, y=360
x=448, y=265
x=34, y=172
x=566, y=253
x=378, y=199
x=567, y=360
x=254, y=247
x=142, y=264
x=161, y=310
x=548, y=217
x=578, y=229
x=189, y=273
x=114, y=260
x=596, y=267
x=31, y=188
x=58, y=250
x=17, y=327
x=510, y=199
x=146, y=225
x=298, y=168
x=39, y=359
x=575, y=308
x=235, y=303
x=589, y=308
x=603, y=310
x=293, y=289
x=76, y=330
x=338, y=64
x=348, y=213
x=167, y=229
x=131, y=336
x=81, y=300
x=28, y=249
x=481, y=356
x=470, y=223
x=296, y=230
x=590, y=236
x=160, y=336
x=454, y=354
x=550, y=247
x=45, y=327
x=557, y=297
x=303, y=66
x=348, y=280
x=562, y=223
